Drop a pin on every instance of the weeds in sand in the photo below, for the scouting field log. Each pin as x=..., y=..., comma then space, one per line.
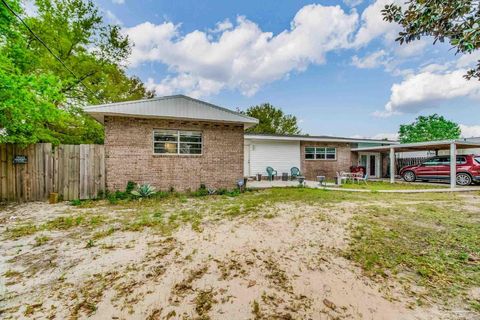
x=182, y=288
x=20, y=231
x=257, y=315
x=30, y=309
x=40, y=240
x=204, y=302
x=90, y=244
x=230, y=268
x=435, y=246
x=12, y=274
x=103, y=233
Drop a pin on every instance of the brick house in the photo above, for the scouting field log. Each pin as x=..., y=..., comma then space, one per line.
x=313, y=155
x=172, y=142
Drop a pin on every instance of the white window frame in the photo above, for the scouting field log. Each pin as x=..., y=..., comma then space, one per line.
x=317, y=150
x=178, y=133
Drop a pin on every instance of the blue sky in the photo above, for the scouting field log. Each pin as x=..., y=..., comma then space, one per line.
x=333, y=64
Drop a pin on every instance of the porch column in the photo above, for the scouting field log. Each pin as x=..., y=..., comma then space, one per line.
x=453, y=165
x=392, y=165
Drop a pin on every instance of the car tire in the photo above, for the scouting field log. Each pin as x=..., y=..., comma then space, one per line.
x=409, y=176
x=464, y=179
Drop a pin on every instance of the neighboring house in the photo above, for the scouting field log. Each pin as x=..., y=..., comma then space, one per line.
x=313, y=155
x=172, y=142
x=464, y=151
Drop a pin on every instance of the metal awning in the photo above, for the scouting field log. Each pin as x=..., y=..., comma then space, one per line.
x=451, y=145
x=422, y=146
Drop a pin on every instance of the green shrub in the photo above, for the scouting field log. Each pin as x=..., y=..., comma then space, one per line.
x=144, y=191
x=76, y=202
x=201, y=192
x=111, y=198
x=130, y=187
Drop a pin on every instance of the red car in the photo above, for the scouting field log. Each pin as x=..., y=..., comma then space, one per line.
x=438, y=168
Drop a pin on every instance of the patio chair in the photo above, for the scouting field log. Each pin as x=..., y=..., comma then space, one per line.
x=363, y=178
x=295, y=172
x=271, y=173
x=341, y=177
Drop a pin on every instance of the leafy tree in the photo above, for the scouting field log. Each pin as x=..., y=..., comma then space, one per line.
x=27, y=99
x=40, y=101
x=272, y=120
x=457, y=21
x=428, y=128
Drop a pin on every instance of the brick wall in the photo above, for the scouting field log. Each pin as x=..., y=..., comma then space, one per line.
x=313, y=168
x=129, y=155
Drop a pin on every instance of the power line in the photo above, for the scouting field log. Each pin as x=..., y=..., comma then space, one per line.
x=46, y=47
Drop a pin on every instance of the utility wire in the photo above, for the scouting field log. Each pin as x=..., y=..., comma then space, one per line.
x=46, y=47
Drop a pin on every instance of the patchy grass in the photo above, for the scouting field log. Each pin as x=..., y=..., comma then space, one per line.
x=204, y=302
x=41, y=240
x=20, y=231
x=383, y=185
x=167, y=213
x=436, y=246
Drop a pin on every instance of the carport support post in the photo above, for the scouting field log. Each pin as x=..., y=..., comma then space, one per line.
x=453, y=165
x=392, y=165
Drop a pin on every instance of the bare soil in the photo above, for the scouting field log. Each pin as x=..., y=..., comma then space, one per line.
x=285, y=264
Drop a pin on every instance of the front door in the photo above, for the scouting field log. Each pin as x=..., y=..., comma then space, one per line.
x=371, y=162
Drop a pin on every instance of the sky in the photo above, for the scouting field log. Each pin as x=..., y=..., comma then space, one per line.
x=335, y=65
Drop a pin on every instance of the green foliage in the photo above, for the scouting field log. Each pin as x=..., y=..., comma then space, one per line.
x=40, y=101
x=130, y=187
x=76, y=202
x=90, y=244
x=144, y=191
x=452, y=20
x=429, y=128
x=201, y=192
x=272, y=120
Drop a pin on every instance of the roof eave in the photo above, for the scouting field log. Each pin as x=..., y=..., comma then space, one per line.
x=423, y=146
x=100, y=117
x=315, y=139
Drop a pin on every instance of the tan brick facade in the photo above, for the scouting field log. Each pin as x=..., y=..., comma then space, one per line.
x=313, y=168
x=129, y=155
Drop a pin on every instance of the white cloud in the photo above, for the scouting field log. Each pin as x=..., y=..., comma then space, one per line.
x=242, y=57
x=373, y=26
x=470, y=131
x=411, y=49
x=352, y=3
x=428, y=89
x=112, y=18
x=222, y=26
x=373, y=60
x=468, y=60
x=118, y=1
x=195, y=86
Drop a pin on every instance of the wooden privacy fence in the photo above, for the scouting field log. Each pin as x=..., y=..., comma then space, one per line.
x=73, y=171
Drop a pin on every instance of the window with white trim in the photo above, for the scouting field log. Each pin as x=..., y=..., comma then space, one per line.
x=177, y=142
x=320, y=153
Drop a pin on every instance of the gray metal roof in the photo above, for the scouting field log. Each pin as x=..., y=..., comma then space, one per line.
x=170, y=107
x=296, y=137
x=424, y=146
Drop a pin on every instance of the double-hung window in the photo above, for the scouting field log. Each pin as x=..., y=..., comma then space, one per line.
x=177, y=142
x=320, y=153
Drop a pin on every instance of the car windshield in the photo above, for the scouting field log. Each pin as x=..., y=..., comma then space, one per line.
x=477, y=159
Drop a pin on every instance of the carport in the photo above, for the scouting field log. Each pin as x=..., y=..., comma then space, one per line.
x=452, y=145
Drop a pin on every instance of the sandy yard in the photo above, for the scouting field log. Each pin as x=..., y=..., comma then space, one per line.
x=215, y=257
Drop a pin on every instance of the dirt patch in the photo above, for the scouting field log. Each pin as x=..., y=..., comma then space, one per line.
x=281, y=262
